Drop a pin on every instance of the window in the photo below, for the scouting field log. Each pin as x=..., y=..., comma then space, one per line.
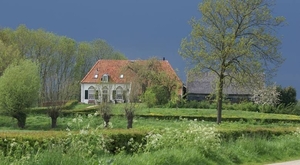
x=105, y=94
x=91, y=93
x=105, y=78
x=119, y=93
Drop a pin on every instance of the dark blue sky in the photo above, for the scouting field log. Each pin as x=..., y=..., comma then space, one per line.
x=142, y=29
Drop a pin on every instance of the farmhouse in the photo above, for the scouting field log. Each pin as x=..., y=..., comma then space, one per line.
x=201, y=86
x=109, y=81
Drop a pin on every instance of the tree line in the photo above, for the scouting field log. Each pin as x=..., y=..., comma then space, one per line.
x=37, y=60
x=62, y=61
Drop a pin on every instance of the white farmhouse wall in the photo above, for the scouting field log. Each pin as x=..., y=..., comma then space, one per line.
x=99, y=87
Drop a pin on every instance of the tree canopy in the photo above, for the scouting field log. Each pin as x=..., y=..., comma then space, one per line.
x=236, y=40
x=8, y=54
x=62, y=60
x=19, y=89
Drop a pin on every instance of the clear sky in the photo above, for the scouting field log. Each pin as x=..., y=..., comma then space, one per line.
x=142, y=28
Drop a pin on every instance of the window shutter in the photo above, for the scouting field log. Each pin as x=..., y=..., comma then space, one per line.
x=86, y=94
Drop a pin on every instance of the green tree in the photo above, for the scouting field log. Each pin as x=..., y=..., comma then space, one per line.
x=8, y=54
x=156, y=95
x=287, y=96
x=145, y=72
x=100, y=49
x=60, y=83
x=5, y=36
x=235, y=40
x=19, y=89
x=148, y=73
x=24, y=39
x=58, y=57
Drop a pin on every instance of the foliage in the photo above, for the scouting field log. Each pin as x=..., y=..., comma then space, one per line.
x=150, y=98
x=266, y=96
x=236, y=41
x=244, y=106
x=190, y=135
x=63, y=62
x=192, y=142
x=156, y=95
x=148, y=73
x=287, y=95
x=282, y=109
x=8, y=55
x=19, y=87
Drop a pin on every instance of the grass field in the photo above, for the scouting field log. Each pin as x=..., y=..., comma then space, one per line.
x=43, y=122
x=172, y=141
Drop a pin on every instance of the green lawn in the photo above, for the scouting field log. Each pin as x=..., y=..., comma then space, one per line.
x=43, y=122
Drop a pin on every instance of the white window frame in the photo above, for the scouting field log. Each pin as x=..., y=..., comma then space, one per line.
x=91, y=93
x=105, y=78
x=119, y=93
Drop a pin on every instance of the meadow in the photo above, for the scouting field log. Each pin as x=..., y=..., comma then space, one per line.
x=180, y=138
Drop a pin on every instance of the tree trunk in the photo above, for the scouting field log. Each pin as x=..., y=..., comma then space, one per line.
x=220, y=97
x=53, y=113
x=106, y=118
x=129, y=123
x=129, y=116
x=53, y=122
x=129, y=120
x=21, y=117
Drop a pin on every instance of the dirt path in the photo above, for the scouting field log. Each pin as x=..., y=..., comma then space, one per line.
x=295, y=162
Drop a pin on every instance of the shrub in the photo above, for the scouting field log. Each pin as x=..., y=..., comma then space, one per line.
x=70, y=104
x=287, y=109
x=150, y=98
x=198, y=104
x=156, y=95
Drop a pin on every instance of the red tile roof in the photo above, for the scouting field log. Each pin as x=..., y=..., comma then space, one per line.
x=115, y=68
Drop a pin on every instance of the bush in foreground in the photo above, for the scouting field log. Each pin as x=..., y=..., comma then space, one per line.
x=192, y=142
